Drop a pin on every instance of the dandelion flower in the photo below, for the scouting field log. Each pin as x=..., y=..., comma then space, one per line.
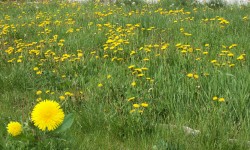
x=136, y=105
x=190, y=75
x=47, y=115
x=196, y=76
x=39, y=92
x=62, y=97
x=133, y=83
x=131, y=98
x=131, y=111
x=14, y=128
x=109, y=76
x=215, y=98
x=144, y=104
x=68, y=94
x=221, y=99
x=100, y=85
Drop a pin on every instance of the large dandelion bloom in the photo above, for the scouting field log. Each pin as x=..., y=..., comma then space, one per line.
x=14, y=128
x=47, y=115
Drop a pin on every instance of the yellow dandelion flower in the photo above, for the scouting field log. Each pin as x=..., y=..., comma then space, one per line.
x=38, y=92
x=205, y=53
x=100, y=85
x=136, y=105
x=68, y=94
x=196, y=76
x=221, y=99
x=39, y=99
x=109, y=76
x=144, y=104
x=190, y=75
x=14, y=128
x=62, y=97
x=241, y=57
x=133, y=83
x=231, y=65
x=35, y=68
x=47, y=115
x=213, y=61
x=131, y=98
x=131, y=111
x=39, y=72
x=215, y=98
x=230, y=55
x=140, y=75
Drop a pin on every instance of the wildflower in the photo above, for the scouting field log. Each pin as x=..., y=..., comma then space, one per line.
x=131, y=98
x=39, y=72
x=133, y=110
x=230, y=55
x=14, y=128
x=136, y=105
x=62, y=97
x=196, y=76
x=206, y=45
x=47, y=115
x=215, y=98
x=68, y=94
x=38, y=92
x=144, y=104
x=205, y=53
x=213, y=61
x=231, y=65
x=140, y=75
x=190, y=75
x=245, y=18
x=109, y=76
x=79, y=54
x=47, y=91
x=133, y=83
x=241, y=57
x=100, y=85
x=35, y=68
x=187, y=34
x=144, y=68
x=221, y=99
x=39, y=99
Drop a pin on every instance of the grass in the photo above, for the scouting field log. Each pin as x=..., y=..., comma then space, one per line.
x=103, y=59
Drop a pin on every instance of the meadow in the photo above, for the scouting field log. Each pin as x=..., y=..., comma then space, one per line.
x=166, y=76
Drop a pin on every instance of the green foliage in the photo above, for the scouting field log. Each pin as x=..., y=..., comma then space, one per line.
x=67, y=123
x=137, y=76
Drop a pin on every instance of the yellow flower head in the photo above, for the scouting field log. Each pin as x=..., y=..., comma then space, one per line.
x=196, y=76
x=133, y=83
x=144, y=104
x=100, y=85
x=190, y=75
x=221, y=99
x=47, y=115
x=14, y=128
x=62, y=97
x=136, y=105
x=39, y=92
x=215, y=98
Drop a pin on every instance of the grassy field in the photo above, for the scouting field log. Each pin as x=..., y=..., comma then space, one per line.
x=135, y=76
